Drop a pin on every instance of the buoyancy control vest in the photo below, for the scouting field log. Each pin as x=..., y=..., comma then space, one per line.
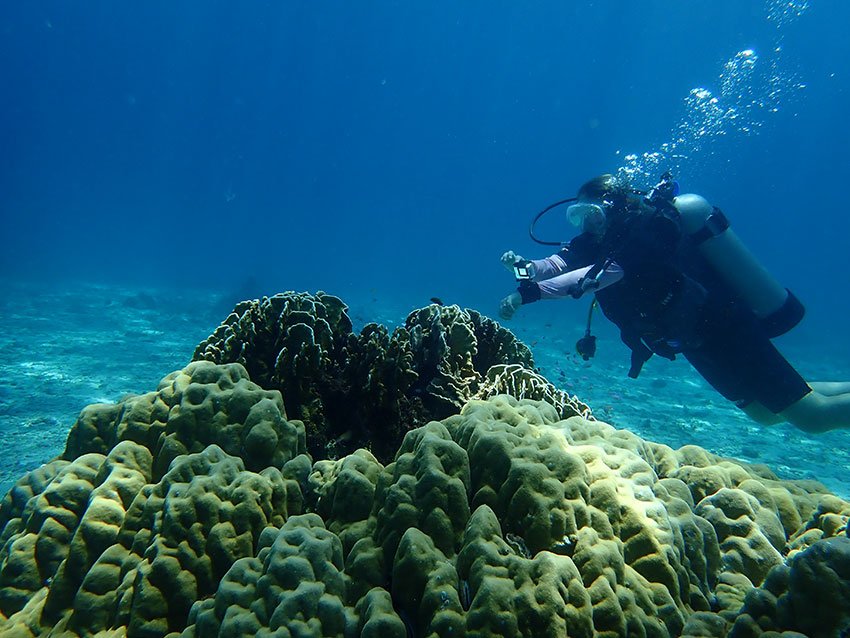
x=673, y=265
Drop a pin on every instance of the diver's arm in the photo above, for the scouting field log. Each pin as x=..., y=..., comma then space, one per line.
x=549, y=267
x=565, y=285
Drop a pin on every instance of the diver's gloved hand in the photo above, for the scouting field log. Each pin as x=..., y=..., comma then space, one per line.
x=508, y=306
x=509, y=259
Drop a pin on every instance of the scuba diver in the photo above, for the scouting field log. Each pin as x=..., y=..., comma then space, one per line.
x=668, y=271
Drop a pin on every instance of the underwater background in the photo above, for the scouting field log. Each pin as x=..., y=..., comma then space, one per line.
x=162, y=161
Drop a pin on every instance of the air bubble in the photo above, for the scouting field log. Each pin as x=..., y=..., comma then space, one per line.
x=784, y=12
x=750, y=91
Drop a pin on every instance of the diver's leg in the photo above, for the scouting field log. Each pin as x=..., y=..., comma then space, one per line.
x=760, y=414
x=830, y=388
x=818, y=412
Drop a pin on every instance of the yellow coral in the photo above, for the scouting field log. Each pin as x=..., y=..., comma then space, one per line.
x=504, y=520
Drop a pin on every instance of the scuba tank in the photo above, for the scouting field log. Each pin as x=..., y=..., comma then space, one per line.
x=707, y=228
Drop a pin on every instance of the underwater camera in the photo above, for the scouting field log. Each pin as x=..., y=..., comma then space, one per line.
x=522, y=270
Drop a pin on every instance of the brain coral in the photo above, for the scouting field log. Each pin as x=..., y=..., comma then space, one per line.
x=810, y=594
x=145, y=509
x=194, y=510
x=507, y=521
x=201, y=405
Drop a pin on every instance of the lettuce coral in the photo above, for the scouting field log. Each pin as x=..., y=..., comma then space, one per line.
x=361, y=389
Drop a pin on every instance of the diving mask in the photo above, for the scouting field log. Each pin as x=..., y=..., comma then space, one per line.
x=586, y=215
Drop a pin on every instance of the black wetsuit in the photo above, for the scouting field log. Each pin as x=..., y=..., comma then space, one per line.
x=670, y=301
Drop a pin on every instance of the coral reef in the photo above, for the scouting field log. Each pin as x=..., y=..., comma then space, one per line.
x=343, y=385
x=522, y=383
x=191, y=409
x=196, y=510
x=145, y=510
x=810, y=593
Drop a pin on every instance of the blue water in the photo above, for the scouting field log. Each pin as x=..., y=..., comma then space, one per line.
x=388, y=152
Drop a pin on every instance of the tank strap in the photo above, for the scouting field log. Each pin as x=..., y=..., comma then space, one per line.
x=715, y=224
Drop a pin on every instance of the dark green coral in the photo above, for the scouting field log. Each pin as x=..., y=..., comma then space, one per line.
x=363, y=389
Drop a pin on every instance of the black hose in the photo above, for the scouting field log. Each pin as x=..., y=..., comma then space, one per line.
x=543, y=212
x=586, y=346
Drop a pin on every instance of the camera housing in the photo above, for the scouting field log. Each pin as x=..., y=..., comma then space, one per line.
x=522, y=271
